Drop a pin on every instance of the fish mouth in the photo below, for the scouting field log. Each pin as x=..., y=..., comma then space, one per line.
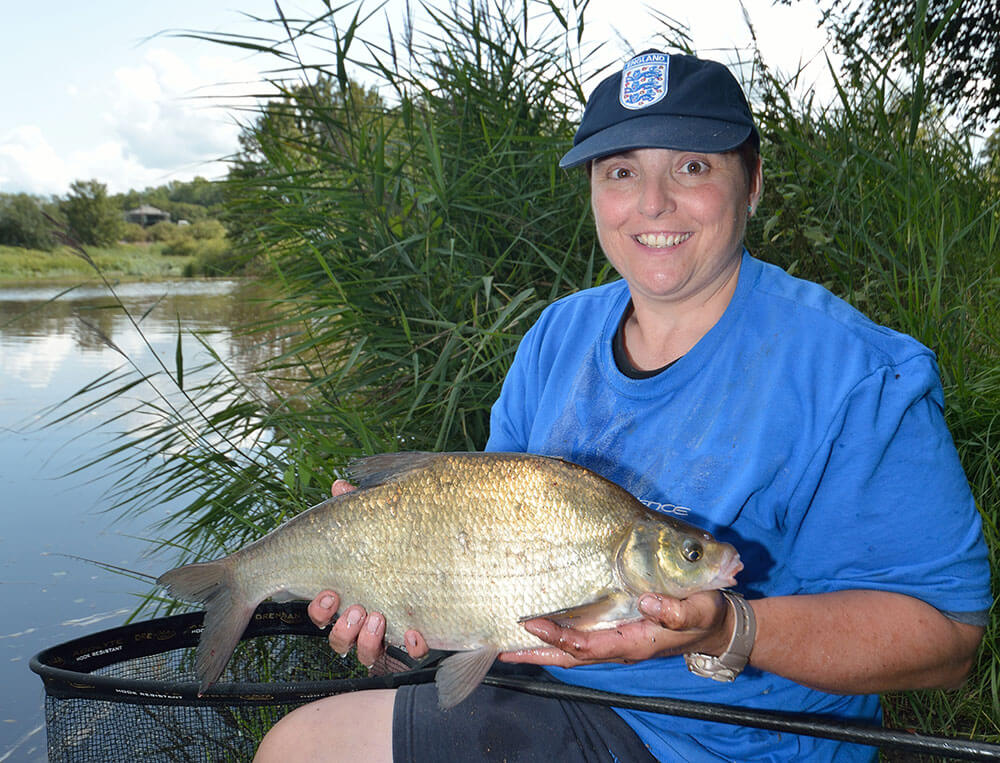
x=730, y=565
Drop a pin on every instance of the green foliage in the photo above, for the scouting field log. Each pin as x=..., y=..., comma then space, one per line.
x=93, y=217
x=193, y=200
x=133, y=233
x=216, y=257
x=23, y=223
x=207, y=229
x=164, y=231
x=431, y=231
x=119, y=261
x=958, y=41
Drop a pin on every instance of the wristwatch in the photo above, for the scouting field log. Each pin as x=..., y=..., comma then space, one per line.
x=731, y=662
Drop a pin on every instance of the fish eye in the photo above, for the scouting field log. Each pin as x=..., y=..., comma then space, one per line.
x=692, y=551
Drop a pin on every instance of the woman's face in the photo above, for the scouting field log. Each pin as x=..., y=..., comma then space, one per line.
x=672, y=222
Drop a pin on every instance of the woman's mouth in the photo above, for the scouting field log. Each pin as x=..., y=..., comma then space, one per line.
x=662, y=240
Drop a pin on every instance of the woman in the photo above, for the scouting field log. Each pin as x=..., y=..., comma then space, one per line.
x=717, y=388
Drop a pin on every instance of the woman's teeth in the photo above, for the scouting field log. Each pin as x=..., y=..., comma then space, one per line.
x=662, y=240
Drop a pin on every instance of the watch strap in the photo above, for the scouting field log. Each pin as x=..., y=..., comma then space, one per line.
x=731, y=662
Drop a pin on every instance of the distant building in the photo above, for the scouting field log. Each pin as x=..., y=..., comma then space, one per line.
x=146, y=216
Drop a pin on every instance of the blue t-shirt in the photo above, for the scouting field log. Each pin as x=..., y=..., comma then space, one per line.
x=796, y=429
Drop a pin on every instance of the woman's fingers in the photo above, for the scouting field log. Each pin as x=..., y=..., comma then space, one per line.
x=416, y=646
x=339, y=487
x=323, y=607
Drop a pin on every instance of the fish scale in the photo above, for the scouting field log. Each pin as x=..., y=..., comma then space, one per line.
x=461, y=546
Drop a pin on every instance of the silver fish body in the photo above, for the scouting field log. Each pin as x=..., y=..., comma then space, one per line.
x=461, y=547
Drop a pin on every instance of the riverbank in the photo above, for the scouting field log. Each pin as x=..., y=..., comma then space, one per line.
x=141, y=261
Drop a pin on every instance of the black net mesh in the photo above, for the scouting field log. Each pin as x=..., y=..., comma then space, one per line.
x=130, y=693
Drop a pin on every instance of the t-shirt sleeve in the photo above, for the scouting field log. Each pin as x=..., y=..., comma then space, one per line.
x=885, y=503
x=514, y=410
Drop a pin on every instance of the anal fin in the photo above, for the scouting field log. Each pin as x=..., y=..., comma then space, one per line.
x=462, y=672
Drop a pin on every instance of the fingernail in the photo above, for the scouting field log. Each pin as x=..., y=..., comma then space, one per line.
x=411, y=641
x=326, y=602
x=353, y=617
x=536, y=627
x=373, y=624
x=650, y=605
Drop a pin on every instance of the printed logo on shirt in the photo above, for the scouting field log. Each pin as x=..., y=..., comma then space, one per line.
x=644, y=81
x=666, y=508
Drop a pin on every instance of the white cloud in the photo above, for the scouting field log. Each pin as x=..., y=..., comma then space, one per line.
x=161, y=119
x=29, y=164
x=171, y=113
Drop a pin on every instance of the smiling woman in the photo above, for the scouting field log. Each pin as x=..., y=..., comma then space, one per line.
x=710, y=379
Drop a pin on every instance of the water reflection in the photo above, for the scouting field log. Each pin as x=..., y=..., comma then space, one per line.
x=52, y=345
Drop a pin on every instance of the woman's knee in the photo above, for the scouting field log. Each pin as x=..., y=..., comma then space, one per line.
x=335, y=728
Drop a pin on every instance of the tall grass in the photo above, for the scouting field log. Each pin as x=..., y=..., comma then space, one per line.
x=414, y=237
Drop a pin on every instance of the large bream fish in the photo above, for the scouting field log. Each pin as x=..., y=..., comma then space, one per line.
x=462, y=547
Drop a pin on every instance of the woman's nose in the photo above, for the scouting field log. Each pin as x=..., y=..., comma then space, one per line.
x=655, y=197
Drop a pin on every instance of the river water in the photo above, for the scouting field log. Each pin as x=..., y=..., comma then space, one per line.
x=49, y=349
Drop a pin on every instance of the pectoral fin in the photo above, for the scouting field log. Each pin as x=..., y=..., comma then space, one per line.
x=459, y=674
x=604, y=612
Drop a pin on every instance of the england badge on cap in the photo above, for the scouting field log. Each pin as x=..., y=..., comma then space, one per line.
x=644, y=80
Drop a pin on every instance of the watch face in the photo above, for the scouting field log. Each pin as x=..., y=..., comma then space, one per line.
x=707, y=666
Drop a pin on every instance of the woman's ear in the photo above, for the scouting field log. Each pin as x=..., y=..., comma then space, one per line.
x=756, y=185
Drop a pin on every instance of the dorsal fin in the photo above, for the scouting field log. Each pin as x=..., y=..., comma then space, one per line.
x=385, y=467
x=369, y=471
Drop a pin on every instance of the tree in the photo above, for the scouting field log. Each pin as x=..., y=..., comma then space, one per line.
x=23, y=223
x=92, y=215
x=962, y=51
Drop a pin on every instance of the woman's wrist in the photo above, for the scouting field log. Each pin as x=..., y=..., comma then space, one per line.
x=739, y=630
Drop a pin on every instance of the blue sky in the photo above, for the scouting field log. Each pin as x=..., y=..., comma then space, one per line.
x=104, y=90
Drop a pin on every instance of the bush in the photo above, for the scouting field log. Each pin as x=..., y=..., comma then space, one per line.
x=94, y=218
x=164, y=231
x=207, y=229
x=215, y=257
x=133, y=233
x=23, y=224
x=181, y=246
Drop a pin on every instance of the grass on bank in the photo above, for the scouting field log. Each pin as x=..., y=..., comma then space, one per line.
x=124, y=260
x=183, y=257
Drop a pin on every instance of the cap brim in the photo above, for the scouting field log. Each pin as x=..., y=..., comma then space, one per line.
x=679, y=133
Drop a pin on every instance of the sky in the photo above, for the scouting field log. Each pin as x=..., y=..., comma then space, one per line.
x=108, y=90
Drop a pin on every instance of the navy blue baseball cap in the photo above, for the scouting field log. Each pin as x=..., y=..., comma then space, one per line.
x=659, y=100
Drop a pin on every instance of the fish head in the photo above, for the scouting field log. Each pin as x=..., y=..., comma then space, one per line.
x=665, y=555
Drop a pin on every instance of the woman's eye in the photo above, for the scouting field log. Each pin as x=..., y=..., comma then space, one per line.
x=694, y=167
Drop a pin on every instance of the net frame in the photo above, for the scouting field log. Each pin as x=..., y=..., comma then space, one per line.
x=95, y=686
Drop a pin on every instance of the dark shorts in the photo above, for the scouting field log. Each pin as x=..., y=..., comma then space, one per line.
x=505, y=725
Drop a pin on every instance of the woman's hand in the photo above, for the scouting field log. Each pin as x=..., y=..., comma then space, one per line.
x=357, y=627
x=703, y=622
x=360, y=628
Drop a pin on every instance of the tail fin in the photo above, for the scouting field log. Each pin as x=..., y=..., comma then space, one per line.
x=227, y=612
